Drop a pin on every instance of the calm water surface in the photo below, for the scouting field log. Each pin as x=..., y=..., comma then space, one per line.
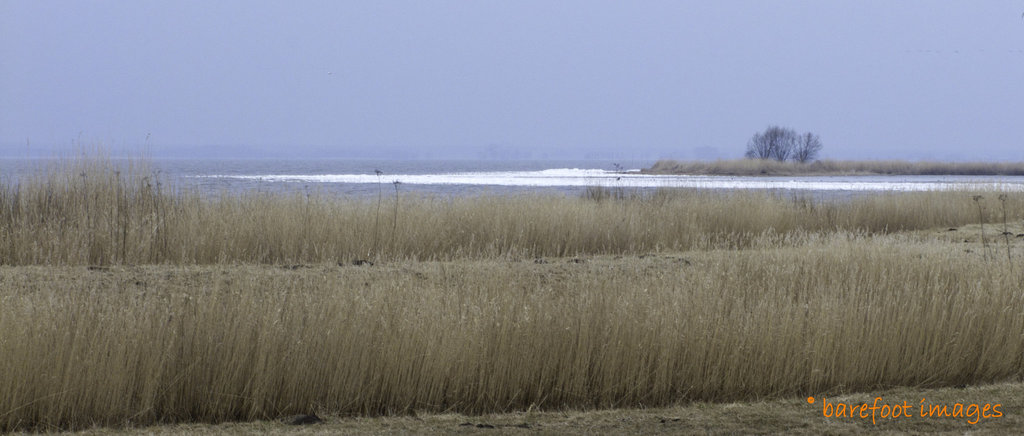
x=471, y=177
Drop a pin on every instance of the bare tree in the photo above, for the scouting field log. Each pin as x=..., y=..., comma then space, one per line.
x=758, y=147
x=774, y=143
x=807, y=148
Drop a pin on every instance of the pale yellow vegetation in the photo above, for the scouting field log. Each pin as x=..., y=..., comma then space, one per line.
x=92, y=212
x=126, y=303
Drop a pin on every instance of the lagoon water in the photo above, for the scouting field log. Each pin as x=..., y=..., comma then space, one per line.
x=469, y=177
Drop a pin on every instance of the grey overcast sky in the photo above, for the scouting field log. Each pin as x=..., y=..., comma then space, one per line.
x=528, y=79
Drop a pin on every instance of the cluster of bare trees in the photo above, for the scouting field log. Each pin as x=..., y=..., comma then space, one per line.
x=782, y=144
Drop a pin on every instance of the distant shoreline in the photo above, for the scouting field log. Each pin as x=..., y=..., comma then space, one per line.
x=760, y=167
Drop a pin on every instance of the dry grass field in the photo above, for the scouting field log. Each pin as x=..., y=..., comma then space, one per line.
x=93, y=212
x=766, y=417
x=124, y=302
x=769, y=167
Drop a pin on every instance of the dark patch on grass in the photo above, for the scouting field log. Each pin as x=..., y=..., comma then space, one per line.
x=304, y=419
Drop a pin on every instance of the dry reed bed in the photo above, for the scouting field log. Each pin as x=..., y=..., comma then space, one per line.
x=93, y=212
x=768, y=167
x=208, y=343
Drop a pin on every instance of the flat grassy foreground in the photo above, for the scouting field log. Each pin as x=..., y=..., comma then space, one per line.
x=127, y=304
x=785, y=416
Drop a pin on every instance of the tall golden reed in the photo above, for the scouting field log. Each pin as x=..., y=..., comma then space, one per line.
x=94, y=212
x=139, y=345
x=195, y=322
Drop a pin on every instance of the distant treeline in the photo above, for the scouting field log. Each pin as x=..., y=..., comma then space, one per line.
x=767, y=167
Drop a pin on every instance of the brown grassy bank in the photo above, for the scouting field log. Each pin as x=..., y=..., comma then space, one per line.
x=209, y=343
x=768, y=167
x=771, y=417
x=92, y=212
